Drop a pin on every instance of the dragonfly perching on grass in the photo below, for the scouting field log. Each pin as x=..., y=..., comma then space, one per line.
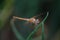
x=29, y=23
x=33, y=33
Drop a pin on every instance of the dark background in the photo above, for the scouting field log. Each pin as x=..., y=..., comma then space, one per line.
x=29, y=8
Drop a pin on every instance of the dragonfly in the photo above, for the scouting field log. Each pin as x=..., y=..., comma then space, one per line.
x=30, y=20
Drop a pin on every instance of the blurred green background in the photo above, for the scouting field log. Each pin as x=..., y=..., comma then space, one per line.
x=29, y=8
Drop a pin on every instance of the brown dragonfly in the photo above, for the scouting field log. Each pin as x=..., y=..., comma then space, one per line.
x=31, y=20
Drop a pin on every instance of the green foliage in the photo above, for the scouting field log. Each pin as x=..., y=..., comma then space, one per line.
x=6, y=12
x=0, y=22
x=2, y=4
